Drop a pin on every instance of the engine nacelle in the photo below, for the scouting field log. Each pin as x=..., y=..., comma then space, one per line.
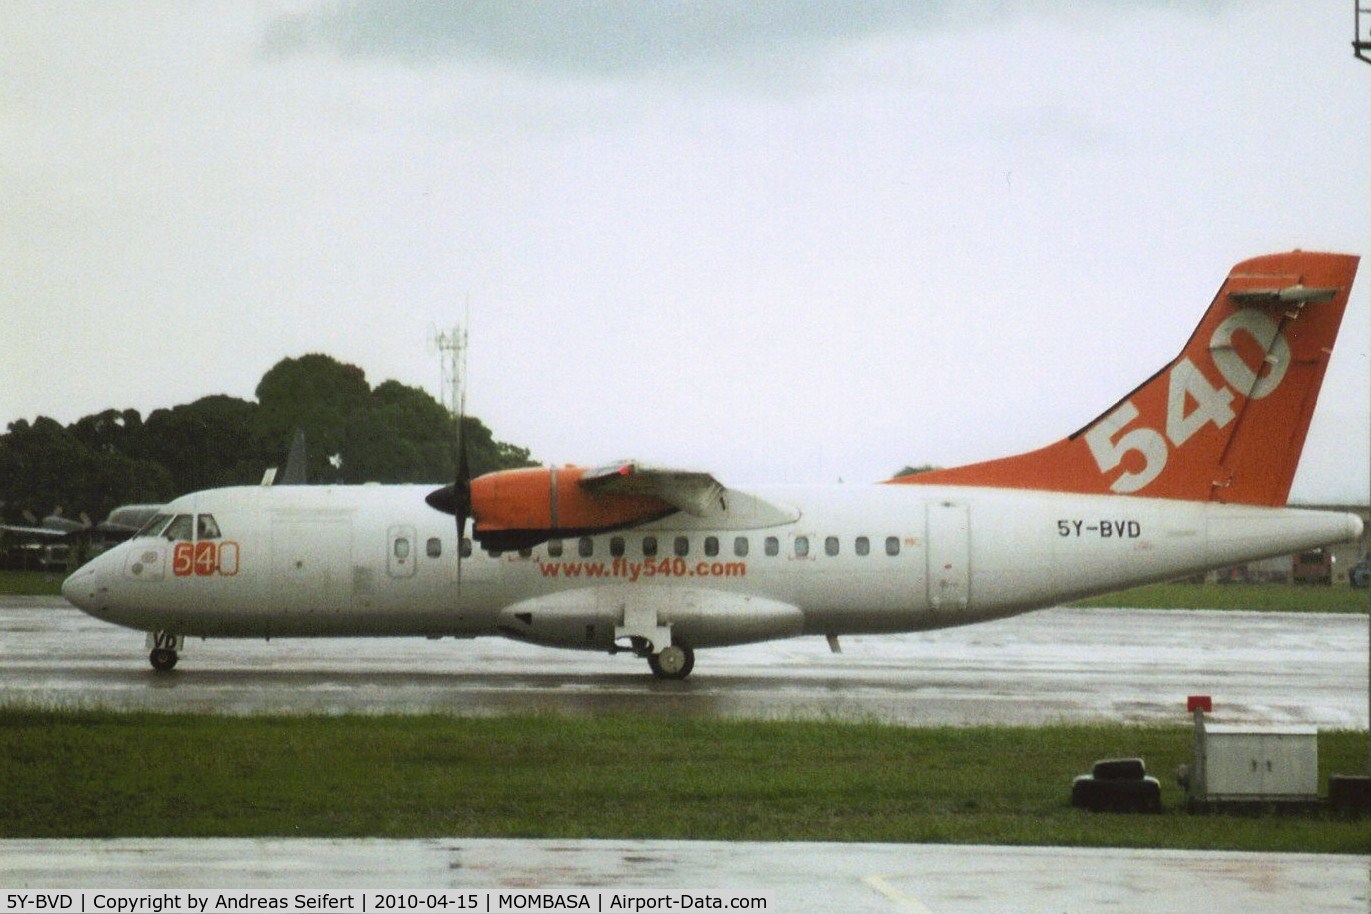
x=516, y=509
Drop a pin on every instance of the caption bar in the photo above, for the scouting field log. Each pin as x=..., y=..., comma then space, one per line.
x=483, y=902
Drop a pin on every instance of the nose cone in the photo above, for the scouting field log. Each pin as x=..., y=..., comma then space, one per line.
x=81, y=588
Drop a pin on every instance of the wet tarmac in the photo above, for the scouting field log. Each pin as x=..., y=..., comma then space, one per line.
x=1044, y=667
x=1055, y=665
x=793, y=877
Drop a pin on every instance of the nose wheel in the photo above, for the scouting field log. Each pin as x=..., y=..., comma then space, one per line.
x=163, y=659
x=673, y=662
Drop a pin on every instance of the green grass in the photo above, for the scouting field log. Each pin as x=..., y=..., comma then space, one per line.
x=1256, y=597
x=107, y=774
x=31, y=583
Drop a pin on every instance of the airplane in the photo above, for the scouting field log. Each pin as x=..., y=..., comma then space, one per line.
x=1189, y=471
x=54, y=526
x=123, y=522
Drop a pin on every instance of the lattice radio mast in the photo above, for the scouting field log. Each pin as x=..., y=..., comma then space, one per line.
x=452, y=346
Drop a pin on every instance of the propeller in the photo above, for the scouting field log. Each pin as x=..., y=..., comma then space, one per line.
x=455, y=499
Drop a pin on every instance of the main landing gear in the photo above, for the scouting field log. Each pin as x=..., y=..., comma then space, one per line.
x=672, y=662
x=644, y=630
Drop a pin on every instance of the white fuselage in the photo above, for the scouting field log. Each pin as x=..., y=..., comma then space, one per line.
x=376, y=560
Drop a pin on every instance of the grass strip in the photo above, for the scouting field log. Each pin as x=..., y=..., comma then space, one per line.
x=110, y=774
x=31, y=583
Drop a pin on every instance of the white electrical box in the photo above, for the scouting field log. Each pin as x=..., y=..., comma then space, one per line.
x=1257, y=764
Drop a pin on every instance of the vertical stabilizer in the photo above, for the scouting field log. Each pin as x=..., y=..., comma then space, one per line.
x=1226, y=419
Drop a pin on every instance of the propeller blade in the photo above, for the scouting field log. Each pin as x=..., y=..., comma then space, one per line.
x=461, y=491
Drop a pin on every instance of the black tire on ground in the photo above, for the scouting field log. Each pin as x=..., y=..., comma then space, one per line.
x=163, y=659
x=674, y=662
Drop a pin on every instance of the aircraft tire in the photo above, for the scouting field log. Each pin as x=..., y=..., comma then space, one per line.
x=163, y=659
x=673, y=662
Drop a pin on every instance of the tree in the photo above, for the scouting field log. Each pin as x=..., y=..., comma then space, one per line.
x=319, y=394
x=403, y=435
x=486, y=455
x=211, y=442
x=394, y=433
x=44, y=466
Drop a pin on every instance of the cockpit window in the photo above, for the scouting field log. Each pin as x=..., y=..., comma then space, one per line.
x=206, y=527
x=180, y=528
x=154, y=526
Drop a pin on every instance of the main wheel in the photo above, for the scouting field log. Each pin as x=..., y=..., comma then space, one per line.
x=674, y=662
x=163, y=659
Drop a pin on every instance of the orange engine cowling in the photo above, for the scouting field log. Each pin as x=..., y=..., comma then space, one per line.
x=515, y=509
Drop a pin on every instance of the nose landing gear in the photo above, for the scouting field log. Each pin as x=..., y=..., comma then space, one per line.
x=163, y=659
x=165, y=648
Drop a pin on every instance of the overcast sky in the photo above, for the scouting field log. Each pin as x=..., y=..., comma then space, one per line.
x=787, y=241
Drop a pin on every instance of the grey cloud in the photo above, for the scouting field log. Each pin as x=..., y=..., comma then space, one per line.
x=597, y=38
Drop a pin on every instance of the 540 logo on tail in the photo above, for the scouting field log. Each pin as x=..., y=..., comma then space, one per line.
x=1192, y=401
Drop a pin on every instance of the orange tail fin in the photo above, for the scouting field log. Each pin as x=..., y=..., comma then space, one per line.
x=1226, y=419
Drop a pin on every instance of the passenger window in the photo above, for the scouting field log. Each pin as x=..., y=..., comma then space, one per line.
x=773, y=546
x=616, y=546
x=464, y=550
x=711, y=546
x=740, y=546
x=682, y=546
x=892, y=545
x=863, y=546
x=207, y=528
x=435, y=547
x=401, y=548
x=649, y=546
x=830, y=545
x=554, y=549
x=801, y=547
x=181, y=528
x=585, y=547
x=526, y=553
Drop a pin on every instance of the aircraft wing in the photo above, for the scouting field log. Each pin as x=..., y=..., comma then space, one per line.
x=49, y=532
x=695, y=492
x=691, y=491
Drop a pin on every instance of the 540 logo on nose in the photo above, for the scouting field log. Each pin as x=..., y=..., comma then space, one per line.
x=205, y=558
